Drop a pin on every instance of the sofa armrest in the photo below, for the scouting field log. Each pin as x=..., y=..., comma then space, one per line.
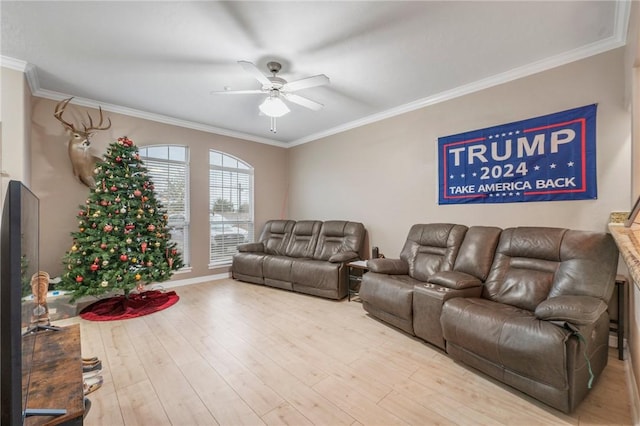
x=251, y=247
x=344, y=256
x=388, y=266
x=454, y=280
x=577, y=310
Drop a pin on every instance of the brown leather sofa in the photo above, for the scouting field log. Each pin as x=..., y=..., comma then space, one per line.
x=307, y=256
x=527, y=306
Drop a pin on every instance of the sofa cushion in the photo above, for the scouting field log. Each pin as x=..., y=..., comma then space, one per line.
x=477, y=251
x=248, y=267
x=303, y=239
x=577, y=310
x=536, y=263
x=275, y=236
x=315, y=273
x=277, y=268
x=390, y=298
x=319, y=278
x=338, y=236
x=524, y=266
x=586, y=254
x=508, y=337
x=431, y=248
x=388, y=266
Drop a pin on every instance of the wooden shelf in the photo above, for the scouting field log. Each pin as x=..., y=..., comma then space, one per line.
x=56, y=376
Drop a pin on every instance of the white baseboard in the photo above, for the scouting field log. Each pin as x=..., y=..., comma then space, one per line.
x=633, y=392
x=189, y=281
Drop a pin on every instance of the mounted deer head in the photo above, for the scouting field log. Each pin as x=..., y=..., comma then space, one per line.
x=83, y=162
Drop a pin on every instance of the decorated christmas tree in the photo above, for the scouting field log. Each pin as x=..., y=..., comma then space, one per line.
x=122, y=242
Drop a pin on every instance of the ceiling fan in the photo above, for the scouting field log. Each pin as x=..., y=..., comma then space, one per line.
x=277, y=89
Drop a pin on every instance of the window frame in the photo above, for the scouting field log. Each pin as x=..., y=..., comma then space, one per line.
x=233, y=174
x=183, y=225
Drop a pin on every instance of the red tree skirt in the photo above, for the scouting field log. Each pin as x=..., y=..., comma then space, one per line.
x=136, y=305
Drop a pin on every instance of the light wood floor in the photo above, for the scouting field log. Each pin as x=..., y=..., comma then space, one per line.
x=233, y=353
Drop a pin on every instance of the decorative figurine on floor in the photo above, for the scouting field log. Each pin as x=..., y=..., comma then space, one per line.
x=39, y=289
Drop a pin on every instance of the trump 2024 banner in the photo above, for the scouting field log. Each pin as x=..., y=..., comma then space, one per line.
x=541, y=159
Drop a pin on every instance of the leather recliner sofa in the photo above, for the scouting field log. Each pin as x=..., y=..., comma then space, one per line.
x=527, y=306
x=307, y=256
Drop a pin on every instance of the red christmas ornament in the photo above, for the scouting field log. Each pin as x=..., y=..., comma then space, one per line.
x=118, y=159
x=103, y=246
x=137, y=193
x=143, y=246
x=151, y=227
x=129, y=226
x=174, y=252
x=104, y=203
x=114, y=188
x=94, y=267
x=123, y=257
x=108, y=228
x=79, y=279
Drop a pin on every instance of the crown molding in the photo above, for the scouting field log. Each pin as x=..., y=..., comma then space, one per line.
x=13, y=63
x=505, y=77
x=618, y=39
x=34, y=85
x=131, y=112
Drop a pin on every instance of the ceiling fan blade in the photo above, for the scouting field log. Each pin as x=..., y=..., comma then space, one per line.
x=305, y=83
x=255, y=72
x=305, y=102
x=236, y=92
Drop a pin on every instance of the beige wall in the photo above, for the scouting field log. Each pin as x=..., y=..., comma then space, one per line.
x=384, y=174
x=15, y=118
x=60, y=194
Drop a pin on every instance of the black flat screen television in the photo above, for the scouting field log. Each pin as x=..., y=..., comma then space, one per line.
x=19, y=261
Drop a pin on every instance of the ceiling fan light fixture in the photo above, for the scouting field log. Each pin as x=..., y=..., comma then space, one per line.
x=273, y=107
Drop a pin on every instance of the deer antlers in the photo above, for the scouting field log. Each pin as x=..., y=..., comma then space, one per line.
x=82, y=161
x=60, y=107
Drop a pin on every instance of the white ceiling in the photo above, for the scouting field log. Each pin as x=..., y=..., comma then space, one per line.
x=160, y=60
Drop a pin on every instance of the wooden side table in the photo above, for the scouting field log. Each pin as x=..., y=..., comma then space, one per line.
x=356, y=270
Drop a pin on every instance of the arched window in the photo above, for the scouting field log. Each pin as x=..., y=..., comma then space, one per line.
x=231, y=206
x=168, y=166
